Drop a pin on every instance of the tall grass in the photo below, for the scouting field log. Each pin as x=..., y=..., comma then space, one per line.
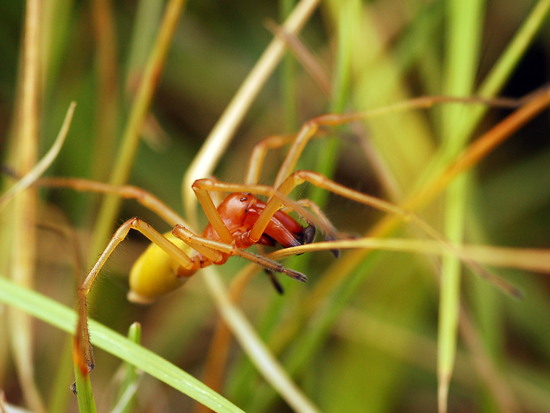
x=372, y=331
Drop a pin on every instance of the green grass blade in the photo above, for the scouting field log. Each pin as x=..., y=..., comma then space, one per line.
x=491, y=86
x=348, y=20
x=64, y=318
x=288, y=77
x=515, y=50
x=85, y=395
x=449, y=305
x=129, y=385
x=465, y=22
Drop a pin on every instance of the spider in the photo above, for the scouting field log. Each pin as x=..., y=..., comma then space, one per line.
x=240, y=221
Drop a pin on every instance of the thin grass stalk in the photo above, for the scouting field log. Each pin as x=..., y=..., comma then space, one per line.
x=449, y=303
x=107, y=105
x=216, y=361
x=129, y=385
x=244, y=373
x=23, y=248
x=40, y=167
x=527, y=259
x=348, y=16
x=271, y=370
x=465, y=23
x=288, y=77
x=131, y=135
x=147, y=20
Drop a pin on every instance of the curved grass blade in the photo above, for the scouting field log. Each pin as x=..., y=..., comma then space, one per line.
x=64, y=318
x=43, y=164
x=130, y=382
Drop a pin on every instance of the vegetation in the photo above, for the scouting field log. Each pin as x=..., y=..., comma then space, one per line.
x=373, y=331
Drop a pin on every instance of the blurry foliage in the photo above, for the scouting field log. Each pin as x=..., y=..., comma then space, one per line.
x=379, y=354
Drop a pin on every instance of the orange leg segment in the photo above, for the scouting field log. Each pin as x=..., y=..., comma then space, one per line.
x=220, y=249
x=145, y=198
x=135, y=223
x=321, y=181
x=205, y=185
x=311, y=128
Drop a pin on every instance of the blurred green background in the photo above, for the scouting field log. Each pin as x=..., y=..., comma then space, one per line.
x=369, y=344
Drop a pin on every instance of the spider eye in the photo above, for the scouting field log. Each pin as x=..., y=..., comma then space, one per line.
x=243, y=199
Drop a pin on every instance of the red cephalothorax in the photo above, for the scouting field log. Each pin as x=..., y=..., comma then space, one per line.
x=240, y=211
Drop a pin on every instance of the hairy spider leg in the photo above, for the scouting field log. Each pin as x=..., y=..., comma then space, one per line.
x=212, y=252
x=309, y=129
x=259, y=152
x=299, y=177
x=156, y=205
x=143, y=197
x=218, y=252
x=279, y=197
x=172, y=250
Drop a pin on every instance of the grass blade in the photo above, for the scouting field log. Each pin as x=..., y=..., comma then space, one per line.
x=64, y=318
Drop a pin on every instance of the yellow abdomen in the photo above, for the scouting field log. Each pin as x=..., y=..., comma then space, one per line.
x=155, y=273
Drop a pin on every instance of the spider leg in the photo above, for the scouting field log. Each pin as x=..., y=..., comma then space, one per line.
x=319, y=212
x=323, y=182
x=279, y=198
x=275, y=282
x=212, y=213
x=220, y=250
x=259, y=152
x=145, y=198
x=311, y=128
x=309, y=233
x=135, y=223
x=202, y=186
